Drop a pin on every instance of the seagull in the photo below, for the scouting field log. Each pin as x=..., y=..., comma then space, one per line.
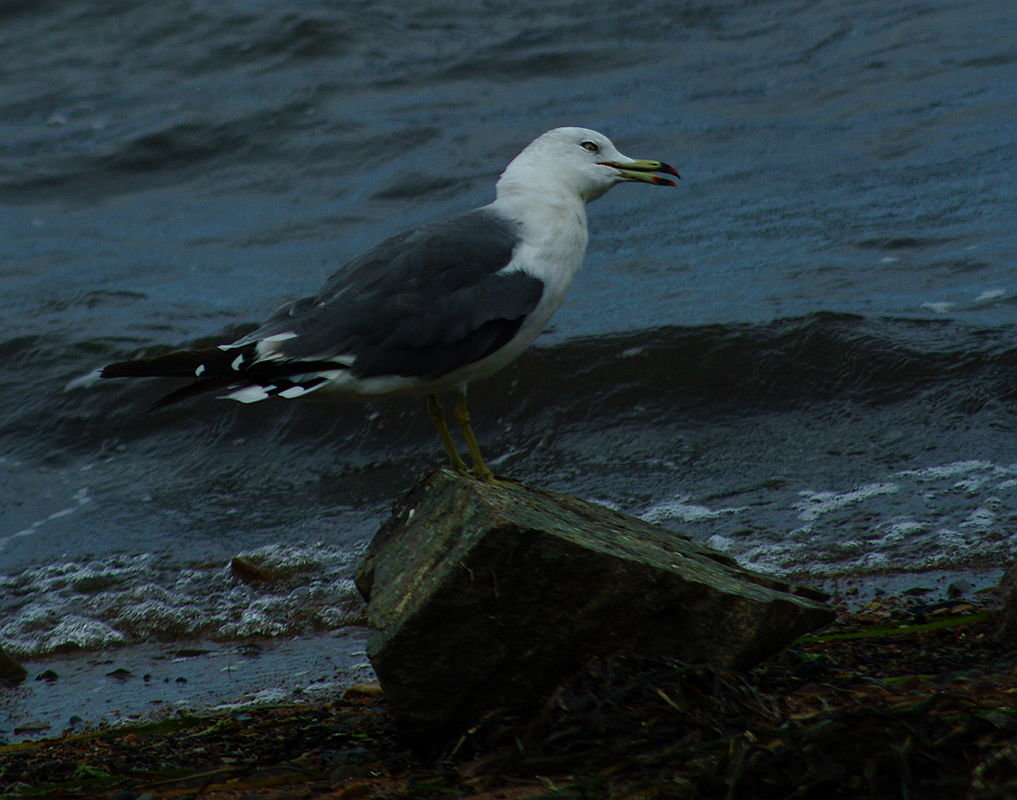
x=430, y=310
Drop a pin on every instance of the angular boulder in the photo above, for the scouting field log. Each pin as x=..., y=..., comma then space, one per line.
x=482, y=597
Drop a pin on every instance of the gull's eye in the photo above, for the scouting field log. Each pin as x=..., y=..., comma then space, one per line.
x=590, y=147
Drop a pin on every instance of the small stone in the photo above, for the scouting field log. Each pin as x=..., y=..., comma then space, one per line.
x=370, y=689
x=958, y=588
x=11, y=672
x=249, y=572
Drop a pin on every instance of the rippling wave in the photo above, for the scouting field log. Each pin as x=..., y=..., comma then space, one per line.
x=702, y=373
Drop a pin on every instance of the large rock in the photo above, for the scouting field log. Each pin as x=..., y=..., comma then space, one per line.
x=482, y=596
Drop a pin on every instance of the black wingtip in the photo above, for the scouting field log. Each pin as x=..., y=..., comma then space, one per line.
x=178, y=364
x=117, y=370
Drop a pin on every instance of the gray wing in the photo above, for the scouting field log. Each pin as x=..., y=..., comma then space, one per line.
x=420, y=304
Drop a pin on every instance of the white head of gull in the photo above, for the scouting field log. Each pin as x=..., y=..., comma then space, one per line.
x=431, y=309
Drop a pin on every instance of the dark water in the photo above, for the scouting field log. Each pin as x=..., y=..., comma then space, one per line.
x=806, y=354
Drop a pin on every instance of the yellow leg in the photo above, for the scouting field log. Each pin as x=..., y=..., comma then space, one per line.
x=438, y=417
x=462, y=415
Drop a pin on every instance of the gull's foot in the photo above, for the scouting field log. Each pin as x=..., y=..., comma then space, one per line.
x=484, y=474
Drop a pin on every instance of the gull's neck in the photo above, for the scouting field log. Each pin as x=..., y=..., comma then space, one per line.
x=539, y=200
x=552, y=225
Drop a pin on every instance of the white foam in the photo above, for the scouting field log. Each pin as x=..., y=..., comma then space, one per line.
x=125, y=599
x=900, y=531
x=980, y=519
x=946, y=470
x=990, y=294
x=258, y=698
x=940, y=516
x=49, y=634
x=817, y=504
x=681, y=510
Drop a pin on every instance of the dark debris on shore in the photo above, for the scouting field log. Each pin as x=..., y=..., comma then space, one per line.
x=882, y=705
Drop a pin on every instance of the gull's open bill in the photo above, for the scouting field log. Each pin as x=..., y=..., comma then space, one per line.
x=643, y=171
